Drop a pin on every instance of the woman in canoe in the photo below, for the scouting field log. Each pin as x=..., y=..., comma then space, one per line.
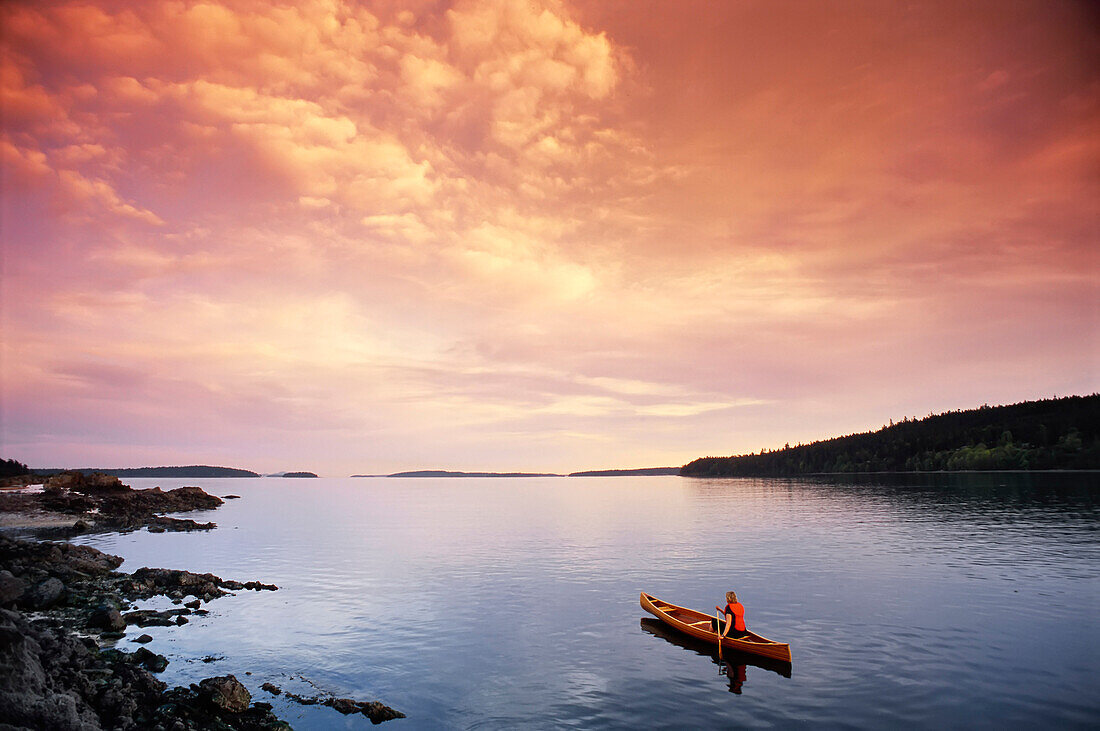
x=733, y=624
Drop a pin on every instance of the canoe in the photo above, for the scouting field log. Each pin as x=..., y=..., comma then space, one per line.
x=657, y=628
x=697, y=624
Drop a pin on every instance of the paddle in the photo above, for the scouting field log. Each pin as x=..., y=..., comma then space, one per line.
x=718, y=619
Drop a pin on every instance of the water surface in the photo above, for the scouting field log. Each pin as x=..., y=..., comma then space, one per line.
x=962, y=600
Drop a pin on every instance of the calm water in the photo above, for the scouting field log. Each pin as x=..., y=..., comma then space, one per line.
x=501, y=603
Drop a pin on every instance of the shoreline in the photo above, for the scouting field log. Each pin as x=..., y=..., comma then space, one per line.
x=65, y=609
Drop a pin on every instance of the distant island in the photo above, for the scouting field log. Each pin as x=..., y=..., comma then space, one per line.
x=1051, y=434
x=299, y=474
x=189, y=471
x=447, y=473
x=628, y=473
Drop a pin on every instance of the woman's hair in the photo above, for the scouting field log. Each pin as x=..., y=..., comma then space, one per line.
x=731, y=597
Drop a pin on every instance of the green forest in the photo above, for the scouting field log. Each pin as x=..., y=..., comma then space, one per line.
x=1052, y=434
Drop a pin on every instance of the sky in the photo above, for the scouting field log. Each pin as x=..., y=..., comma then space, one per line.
x=535, y=235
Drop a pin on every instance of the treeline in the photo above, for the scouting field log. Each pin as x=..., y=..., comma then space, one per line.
x=1053, y=434
x=13, y=468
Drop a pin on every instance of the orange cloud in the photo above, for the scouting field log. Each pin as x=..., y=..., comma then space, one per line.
x=606, y=232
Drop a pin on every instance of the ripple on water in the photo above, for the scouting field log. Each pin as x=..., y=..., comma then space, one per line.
x=513, y=603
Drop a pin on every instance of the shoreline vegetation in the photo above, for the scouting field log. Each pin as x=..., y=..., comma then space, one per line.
x=1051, y=434
x=64, y=609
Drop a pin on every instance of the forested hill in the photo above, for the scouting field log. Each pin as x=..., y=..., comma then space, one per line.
x=1053, y=434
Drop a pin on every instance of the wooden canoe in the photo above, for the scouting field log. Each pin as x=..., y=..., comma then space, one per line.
x=697, y=624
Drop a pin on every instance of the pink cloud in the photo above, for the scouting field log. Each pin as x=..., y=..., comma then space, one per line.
x=472, y=229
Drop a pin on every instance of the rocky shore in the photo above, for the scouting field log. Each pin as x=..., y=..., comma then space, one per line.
x=63, y=607
x=71, y=502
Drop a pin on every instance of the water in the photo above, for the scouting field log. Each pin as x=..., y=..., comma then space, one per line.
x=966, y=600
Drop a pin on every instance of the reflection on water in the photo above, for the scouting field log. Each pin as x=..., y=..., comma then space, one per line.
x=919, y=600
x=731, y=663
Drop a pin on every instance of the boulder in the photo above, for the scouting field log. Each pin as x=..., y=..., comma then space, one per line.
x=11, y=588
x=63, y=481
x=227, y=693
x=44, y=594
x=106, y=617
x=149, y=660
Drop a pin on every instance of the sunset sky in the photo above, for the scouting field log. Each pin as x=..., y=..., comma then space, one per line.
x=365, y=237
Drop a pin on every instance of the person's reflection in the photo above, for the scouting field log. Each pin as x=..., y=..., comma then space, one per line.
x=736, y=676
x=735, y=664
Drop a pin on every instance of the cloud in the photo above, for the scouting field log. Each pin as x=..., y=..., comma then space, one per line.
x=540, y=220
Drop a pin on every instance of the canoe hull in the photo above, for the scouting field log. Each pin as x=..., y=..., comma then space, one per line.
x=698, y=625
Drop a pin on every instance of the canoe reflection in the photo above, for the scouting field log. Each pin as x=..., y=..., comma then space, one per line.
x=732, y=664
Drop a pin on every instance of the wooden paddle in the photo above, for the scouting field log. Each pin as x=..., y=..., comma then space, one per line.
x=718, y=618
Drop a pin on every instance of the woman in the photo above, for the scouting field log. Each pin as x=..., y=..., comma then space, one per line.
x=734, y=621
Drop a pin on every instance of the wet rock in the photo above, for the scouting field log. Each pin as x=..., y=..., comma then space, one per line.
x=106, y=617
x=193, y=604
x=11, y=588
x=151, y=661
x=272, y=688
x=376, y=711
x=149, y=618
x=52, y=679
x=142, y=639
x=226, y=693
x=257, y=586
x=44, y=594
x=161, y=524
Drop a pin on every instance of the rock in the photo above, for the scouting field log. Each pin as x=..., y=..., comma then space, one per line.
x=63, y=481
x=105, y=482
x=272, y=688
x=231, y=497
x=161, y=524
x=11, y=588
x=181, y=620
x=149, y=618
x=344, y=705
x=226, y=693
x=378, y=712
x=151, y=661
x=106, y=617
x=52, y=678
x=81, y=526
x=43, y=595
x=374, y=710
x=193, y=604
x=257, y=586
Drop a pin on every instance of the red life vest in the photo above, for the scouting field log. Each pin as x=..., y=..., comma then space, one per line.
x=738, y=612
